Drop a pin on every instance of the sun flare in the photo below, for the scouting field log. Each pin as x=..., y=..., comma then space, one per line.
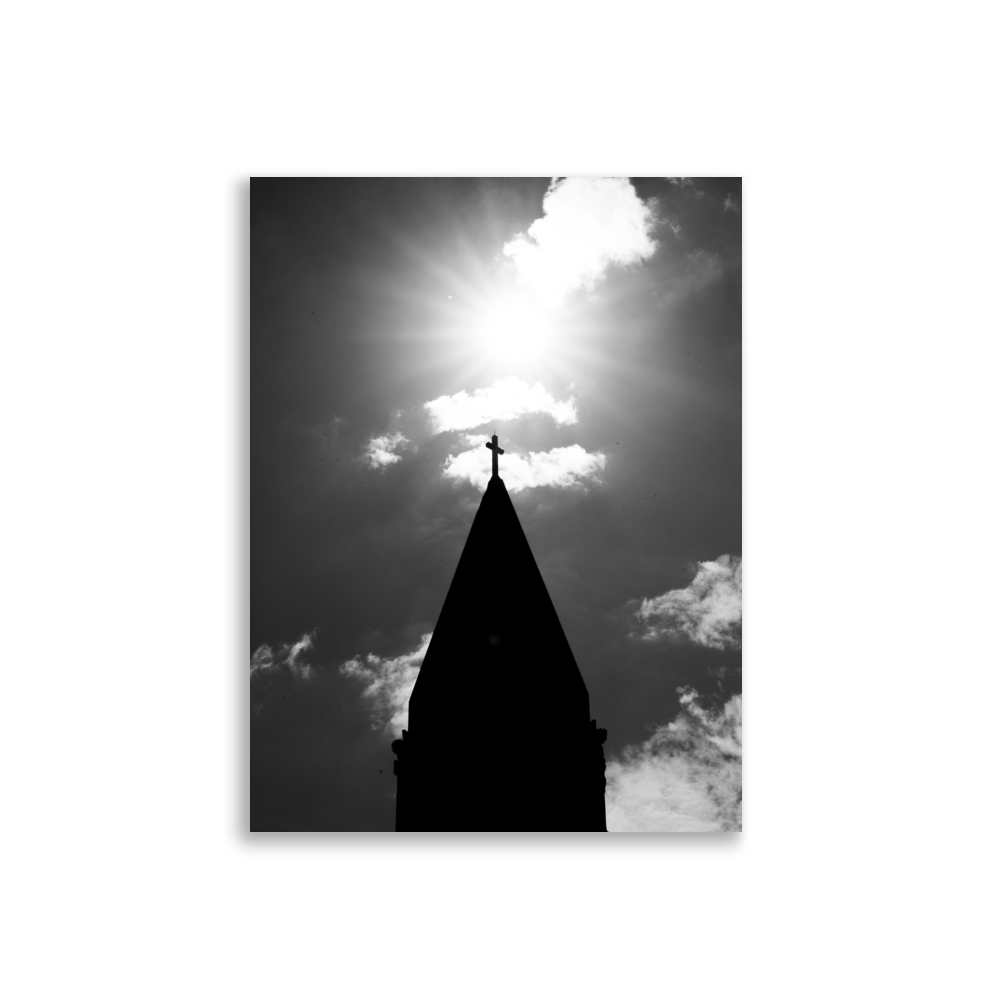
x=516, y=326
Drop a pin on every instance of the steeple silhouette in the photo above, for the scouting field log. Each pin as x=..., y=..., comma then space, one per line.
x=500, y=736
x=497, y=452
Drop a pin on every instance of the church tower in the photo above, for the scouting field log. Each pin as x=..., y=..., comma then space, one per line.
x=500, y=736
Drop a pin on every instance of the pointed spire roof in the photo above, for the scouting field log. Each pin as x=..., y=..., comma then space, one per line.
x=498, y=656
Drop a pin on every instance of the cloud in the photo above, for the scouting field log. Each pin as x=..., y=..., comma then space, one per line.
x=708, y=612
x=388, y=684
x=686, y=778
x=589, y=223
x=266, y=659
x=380, y=451
x=557, y=467
x=506, y=399
x=267, y=665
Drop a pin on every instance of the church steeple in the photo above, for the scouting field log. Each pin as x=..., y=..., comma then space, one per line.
x=500, y=735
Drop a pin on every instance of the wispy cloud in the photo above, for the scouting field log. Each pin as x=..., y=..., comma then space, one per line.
x=382, y=451
x=268, y=664
x=589, y=223
x=505, y=399
x=708, y=612
x=568, y=466
x=388, y=684
x=268, y=658
x=686, y=778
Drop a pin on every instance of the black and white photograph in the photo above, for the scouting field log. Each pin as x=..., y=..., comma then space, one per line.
x=495, y=504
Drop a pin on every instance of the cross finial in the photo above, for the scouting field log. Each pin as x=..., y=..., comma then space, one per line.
x=497, y=450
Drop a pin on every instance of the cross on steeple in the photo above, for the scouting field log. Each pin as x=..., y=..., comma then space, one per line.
x=497, y=450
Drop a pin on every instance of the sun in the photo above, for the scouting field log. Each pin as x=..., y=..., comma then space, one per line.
x=514, y=325
x=487, y=324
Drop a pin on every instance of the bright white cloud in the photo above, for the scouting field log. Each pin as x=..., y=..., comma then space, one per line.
x=388, y=684
x=589, y=223
x=709, y=611
x=381, y=451
x=686, y=778
x=506, y=399
x=557, y=467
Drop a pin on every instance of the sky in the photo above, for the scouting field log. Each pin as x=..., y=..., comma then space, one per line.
x=595, y=325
